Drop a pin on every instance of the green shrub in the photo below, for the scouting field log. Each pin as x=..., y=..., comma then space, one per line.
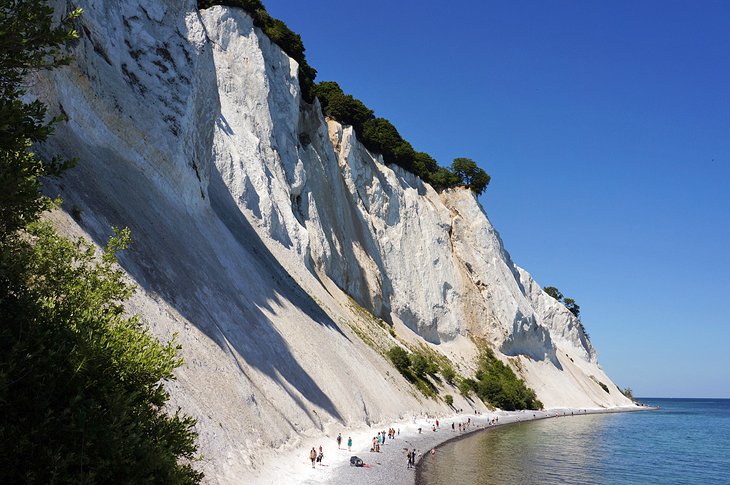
x=467, y=386
x=569, y=303
x=419, y=364
x=448, y=373
x=449, y=399
x=399, y=357
x=498, y=385
x=82, y=394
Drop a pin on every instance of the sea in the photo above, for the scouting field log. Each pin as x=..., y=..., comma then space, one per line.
x=685, y=441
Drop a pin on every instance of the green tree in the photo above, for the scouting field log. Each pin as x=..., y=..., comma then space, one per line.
x=425, y=164
x=82, y=396
x=449, y=399
x=467, y=386
x=342, y=107
x=399, y=357
x=419, y=364
x=29, y=42
x=572, y=306
x=448, y=373
x=443, y=178
x=554, y=292
x=470, y=174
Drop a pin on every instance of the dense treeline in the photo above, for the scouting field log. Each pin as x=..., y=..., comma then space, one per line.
x=377, y=134
x=279, y=33
x=380, y=136
x=82, y=391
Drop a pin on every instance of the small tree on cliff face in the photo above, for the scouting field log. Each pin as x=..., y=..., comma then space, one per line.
x=572, y=306
x=470, y=174
x=569, y=303
x=554, y=292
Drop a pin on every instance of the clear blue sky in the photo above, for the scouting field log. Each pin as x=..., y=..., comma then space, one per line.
x=606, y=129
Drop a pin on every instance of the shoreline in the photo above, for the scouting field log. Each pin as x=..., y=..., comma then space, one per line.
x=390, y=464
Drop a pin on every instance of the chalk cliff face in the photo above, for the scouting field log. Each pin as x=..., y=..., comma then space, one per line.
x=262, y=230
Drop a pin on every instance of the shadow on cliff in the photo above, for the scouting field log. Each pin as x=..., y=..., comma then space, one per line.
x=216, y=272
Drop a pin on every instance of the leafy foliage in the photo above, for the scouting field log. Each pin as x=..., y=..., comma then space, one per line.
x=497, y=384
x=467, y=386
x=399, y=357
x=279, y=33
x=572, y=306
x=29, y=42
x=627, y=392
x=379, y=135
x=81, y=384
x=449, y=399
x=554, y=292
x=569, y=303
x=470, y=175
x=448, y=373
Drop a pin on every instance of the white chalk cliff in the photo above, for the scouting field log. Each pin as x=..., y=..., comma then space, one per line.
x=261, y=229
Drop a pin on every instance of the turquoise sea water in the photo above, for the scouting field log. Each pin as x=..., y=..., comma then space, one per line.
x=687, y=441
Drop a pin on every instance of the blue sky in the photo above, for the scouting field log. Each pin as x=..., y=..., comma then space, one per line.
x=606, y=129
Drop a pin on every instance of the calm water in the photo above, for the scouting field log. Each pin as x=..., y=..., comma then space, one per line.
x=685, y=442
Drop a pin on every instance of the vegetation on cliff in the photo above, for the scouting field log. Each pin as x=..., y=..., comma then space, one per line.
x=82, y=396
x=497, y=384
x=569, y=303
x=279, y=33
x=378, y=135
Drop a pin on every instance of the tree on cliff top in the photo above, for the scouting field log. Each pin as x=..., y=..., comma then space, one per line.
x=470, y=174
x=82, y=395
x=569, y=303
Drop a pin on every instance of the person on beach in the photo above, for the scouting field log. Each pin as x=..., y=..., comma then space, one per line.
x=349, y=443
x=339, y=440
x=313, y=455
x=320, y=457
x=452, y=426
x=408, y=456
x=433, y=453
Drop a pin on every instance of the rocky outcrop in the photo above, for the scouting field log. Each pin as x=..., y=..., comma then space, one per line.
x=257, y=223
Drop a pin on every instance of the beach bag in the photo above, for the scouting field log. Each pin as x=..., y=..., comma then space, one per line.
x=355, y=461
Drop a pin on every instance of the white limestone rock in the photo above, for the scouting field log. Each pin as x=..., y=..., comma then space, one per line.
x=255, y=220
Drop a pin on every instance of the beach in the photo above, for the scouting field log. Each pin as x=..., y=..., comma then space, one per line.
x=390, y=464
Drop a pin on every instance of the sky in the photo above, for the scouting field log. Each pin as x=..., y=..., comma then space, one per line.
x=605, y=127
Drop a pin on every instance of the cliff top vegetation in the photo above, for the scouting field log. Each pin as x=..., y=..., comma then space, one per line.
x=377, y=134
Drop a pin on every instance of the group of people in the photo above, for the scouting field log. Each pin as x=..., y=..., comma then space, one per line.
x=314, y=457
x=391, y=433
x=411, y=457
x=380, y=438
x=339, y=441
